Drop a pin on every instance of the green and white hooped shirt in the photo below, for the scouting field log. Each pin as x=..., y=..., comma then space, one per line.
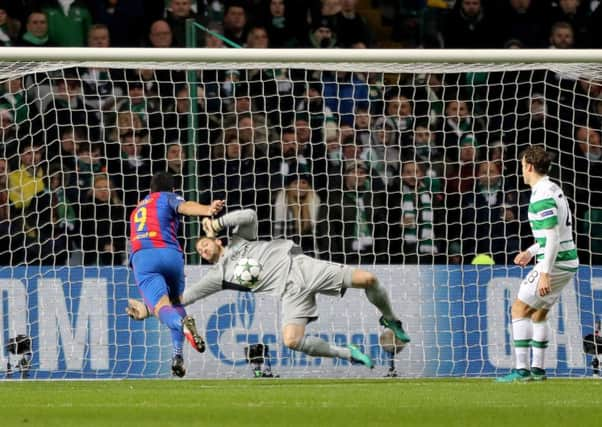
x=549, y=208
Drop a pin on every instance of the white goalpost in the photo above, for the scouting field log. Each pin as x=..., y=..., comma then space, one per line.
x=402, y=161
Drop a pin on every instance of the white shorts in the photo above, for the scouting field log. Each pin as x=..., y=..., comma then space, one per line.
x=528, y=288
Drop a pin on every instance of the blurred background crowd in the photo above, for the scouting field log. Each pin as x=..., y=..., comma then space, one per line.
x=355, y=167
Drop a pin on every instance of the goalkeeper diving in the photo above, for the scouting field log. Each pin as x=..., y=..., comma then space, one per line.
x=286, y=273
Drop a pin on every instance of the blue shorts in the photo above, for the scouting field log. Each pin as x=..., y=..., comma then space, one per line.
x=159, y=272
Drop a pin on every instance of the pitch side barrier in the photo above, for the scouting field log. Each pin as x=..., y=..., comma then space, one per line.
x=458, y=318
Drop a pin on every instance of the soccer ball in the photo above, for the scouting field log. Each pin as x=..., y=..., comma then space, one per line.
x=247, y=272
x=390, y=343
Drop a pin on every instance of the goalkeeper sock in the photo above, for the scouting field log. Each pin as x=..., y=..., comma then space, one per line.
x=522, y=332
x=315, y=346
x=171, y=317
x=539, y=343
x=379, y=297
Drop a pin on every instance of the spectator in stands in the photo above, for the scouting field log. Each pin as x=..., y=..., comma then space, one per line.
x=26, y=183
x=343, y=90
x=459, y=121
x=16, y=100
x=575, y=13
x=399, y=109
x=160, y=34
x=37, y=31
x=587, y=168
x=176, y=16
x=352, y=28
x=124, y=19
x=295, y=214
x=100, y=86
x=9, y=27
x=384, y=153
x=322, y=33
x=313, y=112
x=132, y=170
x=276, y=21
x=490, y=223
x=65, y=155
x=351, y=221
x=149, y=110
x=67, y=106
x=411, y=216
x=103, y=224
x=235, y=22
x=239, y=176
x=523, y=20
x=125, y=123
x=175, y=165
x=426, y=152
x=460, y=180
x=89, y=163
x=58, y=236
x=562, y=36
x=362, y=122
x=68, y=23
x=469, y=26
x=12, y=238
x=211, y=41
x=257, y=38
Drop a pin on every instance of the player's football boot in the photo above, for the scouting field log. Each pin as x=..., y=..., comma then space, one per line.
x=515, y=376
x=177, y=366
x=358, y=357
x=538, y=374
x=192, y=335
x=396, y=327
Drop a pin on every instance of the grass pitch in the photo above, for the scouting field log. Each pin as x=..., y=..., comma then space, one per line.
x=314, y=403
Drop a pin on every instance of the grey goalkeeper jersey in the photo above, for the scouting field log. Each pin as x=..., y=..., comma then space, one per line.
x=274, y=257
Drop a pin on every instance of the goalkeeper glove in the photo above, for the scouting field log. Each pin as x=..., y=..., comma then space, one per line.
x=211, y=227
x=137, y=310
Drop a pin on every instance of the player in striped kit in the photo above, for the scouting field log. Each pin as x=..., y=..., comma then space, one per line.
x=158, y=261
x=557, y=262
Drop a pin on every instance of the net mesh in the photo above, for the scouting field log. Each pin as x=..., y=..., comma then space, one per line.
x=408, y=169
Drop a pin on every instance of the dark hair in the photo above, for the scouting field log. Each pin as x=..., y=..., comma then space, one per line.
x=537, y=156
x=162, y=181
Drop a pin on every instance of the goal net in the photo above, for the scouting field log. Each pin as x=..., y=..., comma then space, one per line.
x=404, y=162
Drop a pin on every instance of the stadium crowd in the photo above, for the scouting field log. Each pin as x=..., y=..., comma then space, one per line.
x=356, y=167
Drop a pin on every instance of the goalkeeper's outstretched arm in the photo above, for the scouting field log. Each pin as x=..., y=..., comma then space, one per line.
x=244, y=221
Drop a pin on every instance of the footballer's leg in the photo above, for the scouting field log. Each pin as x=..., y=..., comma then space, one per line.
x=294, y=338
x=539, y=344
x=378, y=296
x=522, y=334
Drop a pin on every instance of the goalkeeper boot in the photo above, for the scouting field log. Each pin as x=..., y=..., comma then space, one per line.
x=515, y=376
x=192, y=335
x=177, y=366
x=358, y=357
x=396, y=327
x=538, y=374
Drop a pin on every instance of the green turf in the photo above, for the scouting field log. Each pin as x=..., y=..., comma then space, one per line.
x=314, y=403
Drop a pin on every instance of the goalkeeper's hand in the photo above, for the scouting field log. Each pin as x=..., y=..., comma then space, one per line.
x=137, y=310
x=211, y=227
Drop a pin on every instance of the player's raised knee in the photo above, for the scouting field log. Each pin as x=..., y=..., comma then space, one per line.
x=292, y=341
x=363, y=279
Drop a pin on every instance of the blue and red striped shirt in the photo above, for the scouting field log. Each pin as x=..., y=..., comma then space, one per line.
x=155, y=221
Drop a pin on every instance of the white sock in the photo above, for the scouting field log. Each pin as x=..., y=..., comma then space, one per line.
x=539, y=343
x=522, y=332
